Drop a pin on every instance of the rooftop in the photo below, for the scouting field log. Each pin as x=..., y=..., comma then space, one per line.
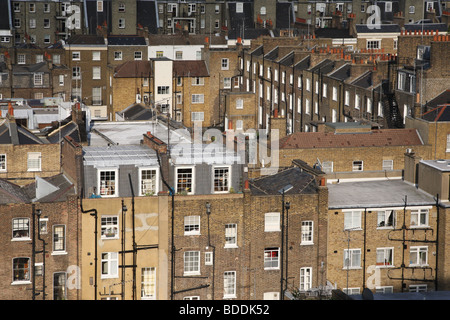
x=374, y=138
x=191, y=68
x=111, y=156
x=376, y=194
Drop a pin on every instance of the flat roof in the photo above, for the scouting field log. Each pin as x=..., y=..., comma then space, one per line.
x=112, y=156
x=376, y=194
x=440, y=164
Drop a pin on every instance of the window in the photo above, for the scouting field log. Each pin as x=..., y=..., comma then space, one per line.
x=271, y=258
x=419, y=218
x=16, y=7
x=184, y=181
x=418, y=288
x=99, y=6
x=59, y=286
x=221, y=179
x=110, y=265
x=385, y=256
x=239, y=7
x=34, y=161
x=334, y=93
x=46, y=8
x=198, y=116
x=272, y=222
x=307, y=106
x=347, y=98
x=117, y=55
x=225, y=65
x=159, y=54
x=97, y=96
x=32, y=23
x=37, y=79
x=110, y=227
x=209, y=259
x=192, y=262
x=226, y=83
x=198, y=98
x=357, y=101
x=352, y=258
x=163, y=90
x=96, y=73
x=198, y=81
x=148, y=182
x=388, y=165
x=21, y=59
x=121, y=7
x=308, y=84
x=17, y=23
x=418, y=256
x=56, y=58
x=305, y=279
x=373, y=44
x=21, y=228
x=96, y=56
x=229, y=284
x=59, y=238
x=386, y=218
x=357, y=165
x=231, y=235
x=262, y=10
x=448, y=143
x=46, y=23
x=148, y=283
x=108, y=183
x=384, y=290
x=21, y=269
x=76, y=56
x=388, y=6
x=324, y=90
x=352, y=220
x=191, y=225
x=61, y=80
x=327, y=166
x=192, y=7
x=138, y=55
x=307, y=232
x=2, y=162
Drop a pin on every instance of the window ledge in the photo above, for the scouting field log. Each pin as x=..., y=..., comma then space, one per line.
x=232, y=246
x=21, y=282
x=59, y=253
x=20, y=239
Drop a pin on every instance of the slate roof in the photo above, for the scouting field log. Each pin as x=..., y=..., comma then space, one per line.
x=133, y=69
x=301, y=181
x=12, y=193
x=70, y=129
x=384, y=28
x=4, y=15
x=324, y=66
x=364, y=81
x=180, y=39
x=147, y=16
x=86, y=39
x=374, y=138
x=126, y=40
x=60, y=188
x=193, y=68
x=11, y=133
x=438, y=108
x=137, y=111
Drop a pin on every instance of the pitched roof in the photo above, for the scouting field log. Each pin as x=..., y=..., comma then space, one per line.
x=12, y=193
x=374, y=138
x=86, y=39
x=133, y=69
x=192, y=68
x=11, y=133
x=50, y=189
x=383, y=28
x=126, y=40
x=301, y=182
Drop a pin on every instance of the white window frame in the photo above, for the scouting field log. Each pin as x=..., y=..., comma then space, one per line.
x=231, y=235
x=20, y=224
x=116, y=182
x=305, y=279
x=111, y=260
x=271, y=262
x=191, y=225
x=386, y=219
x=3, y=162
x=34, y=161
x=352, y=258
x=138, y=55
x=117, y=55
x=21, y=58
x=59, y=240
x=191, y=264
x=141, y=181
x=418, y=256
x=272, y=222
x=418, y=222
x=96, y=73
x=356, y=167
x=109, y=227
x=229, y=284
x=76, y=56
x=192, y=179
x=385, y=257
x=388, y=165
x=352, y=220
x=198, y=98
x=307, y=232
x=225, y=64
x=225, y=187
x=148, y=283
x=209, y=258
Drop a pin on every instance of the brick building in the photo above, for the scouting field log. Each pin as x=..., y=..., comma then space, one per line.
x=234, y=246
x=43, y=211
x=25, y=156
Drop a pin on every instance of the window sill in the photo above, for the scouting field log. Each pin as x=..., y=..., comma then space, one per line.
x=20, y=239
x=351, y=268
x=307, y=243
x=233, y=246
x=230, y=296
x=59, y=253
x=21, y=282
